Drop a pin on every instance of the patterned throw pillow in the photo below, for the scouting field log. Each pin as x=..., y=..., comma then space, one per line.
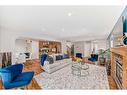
x=59, y=57
x=50, y=59
x=66, y=56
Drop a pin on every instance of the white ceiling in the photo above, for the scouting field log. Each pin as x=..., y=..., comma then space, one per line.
x=85, y=23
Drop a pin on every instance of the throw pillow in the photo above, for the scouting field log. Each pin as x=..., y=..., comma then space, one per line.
x=59, y=57
x=66, y=56
x=50, y=59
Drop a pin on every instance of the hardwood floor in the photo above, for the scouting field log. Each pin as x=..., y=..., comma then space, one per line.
x=34, y=65
x=33, y=85
x=112, y=83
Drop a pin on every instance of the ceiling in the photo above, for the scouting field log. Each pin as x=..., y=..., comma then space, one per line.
x=74, y=23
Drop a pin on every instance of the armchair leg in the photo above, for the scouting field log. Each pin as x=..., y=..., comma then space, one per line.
x=26, y=87
x=96, y=63
x=1, y=84
x=23, y=87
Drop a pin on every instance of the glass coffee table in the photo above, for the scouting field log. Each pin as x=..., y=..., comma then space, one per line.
x=79, y=69
x=76, y=70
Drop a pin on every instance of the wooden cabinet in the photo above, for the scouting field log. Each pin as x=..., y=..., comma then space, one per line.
x=119, y=66
x=50, y=46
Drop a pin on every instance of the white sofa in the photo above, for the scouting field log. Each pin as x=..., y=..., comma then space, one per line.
x=50, y=68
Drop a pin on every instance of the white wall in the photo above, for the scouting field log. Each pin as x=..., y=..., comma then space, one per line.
x=102, y=44
x=0, y=41
x=79, y=48
x=7, y=41
x=99, y=44
x=117, y=34
x=35, y=49
x=87, y=49
x=21, y=46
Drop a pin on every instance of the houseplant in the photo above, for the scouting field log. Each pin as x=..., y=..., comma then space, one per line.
x=102, y=56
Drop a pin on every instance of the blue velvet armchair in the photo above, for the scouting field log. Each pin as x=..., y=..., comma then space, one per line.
x=13, y=77
x=43, y=58
x=79, y=55
x=94, y=58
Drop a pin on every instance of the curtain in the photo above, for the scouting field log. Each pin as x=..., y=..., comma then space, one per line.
x=5, y=59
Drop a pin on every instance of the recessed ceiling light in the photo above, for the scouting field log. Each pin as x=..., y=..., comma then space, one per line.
x=69, y=14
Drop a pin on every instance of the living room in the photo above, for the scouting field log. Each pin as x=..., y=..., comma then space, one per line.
x=60, y=47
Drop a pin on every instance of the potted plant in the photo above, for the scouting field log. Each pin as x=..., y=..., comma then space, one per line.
x=102, y=56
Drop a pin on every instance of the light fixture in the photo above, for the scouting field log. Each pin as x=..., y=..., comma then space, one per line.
x=69, y=14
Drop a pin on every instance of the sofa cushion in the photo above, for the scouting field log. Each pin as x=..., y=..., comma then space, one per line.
x=15, y=70
x=69, y=60
x=65, y=56
x=50, y=66
x=24, y=76
x=60, y=66
x=59, y=57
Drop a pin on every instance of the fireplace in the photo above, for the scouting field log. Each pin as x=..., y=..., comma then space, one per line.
x=27, y=55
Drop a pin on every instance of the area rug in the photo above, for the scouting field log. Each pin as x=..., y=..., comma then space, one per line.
x=64, y=79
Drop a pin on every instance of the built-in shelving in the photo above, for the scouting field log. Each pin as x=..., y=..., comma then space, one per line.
x=49, y=47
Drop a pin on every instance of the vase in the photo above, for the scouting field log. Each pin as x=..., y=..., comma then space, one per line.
x=124, y=39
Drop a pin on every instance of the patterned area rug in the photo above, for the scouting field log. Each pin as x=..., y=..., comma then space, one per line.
x=64, y=79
